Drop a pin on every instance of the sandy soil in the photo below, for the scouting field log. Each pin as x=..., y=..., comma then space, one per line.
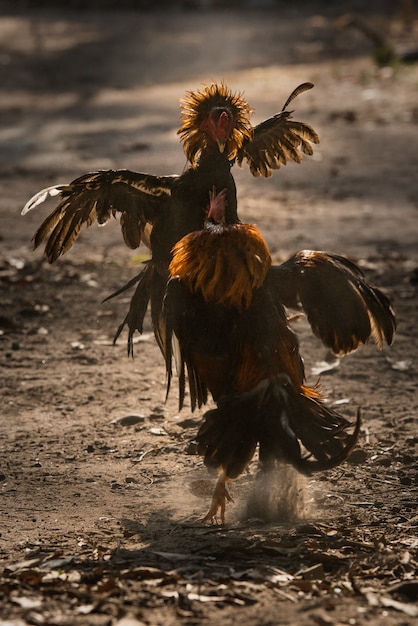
x=102, y=495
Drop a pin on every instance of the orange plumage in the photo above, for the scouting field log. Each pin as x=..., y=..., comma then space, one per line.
x=224, y=309
x=224, y=264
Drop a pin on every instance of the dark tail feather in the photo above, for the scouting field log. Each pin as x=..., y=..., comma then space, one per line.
x=302, y=431
x=289, y=426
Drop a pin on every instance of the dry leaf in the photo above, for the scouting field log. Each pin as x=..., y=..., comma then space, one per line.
x=328, y=365
x=143, y=337
x=399, y=366
x=408, y=609
x=129, y=620
x=175, y=556
x=157, y=431
x=272, y=575
x=26, y=603
x=315, y=572
x=56, y=563
x=85, y=609
x=143, y=573
x=341, y=401
x=21, y=565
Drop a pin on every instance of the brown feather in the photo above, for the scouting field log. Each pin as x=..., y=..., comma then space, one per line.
x=99, y=196
x=275, y=142
x=344, y=310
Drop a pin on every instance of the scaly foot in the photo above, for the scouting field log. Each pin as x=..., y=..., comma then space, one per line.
x=219, y=499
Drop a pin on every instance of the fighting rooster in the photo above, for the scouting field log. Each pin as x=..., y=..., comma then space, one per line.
x=226, y=328
x=159, y=210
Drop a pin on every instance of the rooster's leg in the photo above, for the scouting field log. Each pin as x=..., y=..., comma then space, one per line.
x=219, y=498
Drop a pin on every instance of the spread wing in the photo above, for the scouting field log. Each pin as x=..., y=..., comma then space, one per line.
x=343, y=309
x=139, y=198
x=278, y=140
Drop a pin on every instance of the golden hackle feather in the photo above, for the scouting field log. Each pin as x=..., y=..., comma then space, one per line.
x=196, y=107
x=224, y=264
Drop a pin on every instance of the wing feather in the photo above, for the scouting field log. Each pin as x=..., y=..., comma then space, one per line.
x=343, y=309
x=278, y=140
x=140, y=199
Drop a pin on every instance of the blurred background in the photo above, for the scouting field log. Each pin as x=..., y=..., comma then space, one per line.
x=96, y=85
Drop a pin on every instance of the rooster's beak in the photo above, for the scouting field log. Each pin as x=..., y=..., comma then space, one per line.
x=221, y=145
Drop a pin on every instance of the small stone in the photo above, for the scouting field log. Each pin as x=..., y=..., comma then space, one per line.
x=129, y=420
x=357, y=457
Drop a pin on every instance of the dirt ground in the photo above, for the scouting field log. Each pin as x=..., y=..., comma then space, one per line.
x=102, y=496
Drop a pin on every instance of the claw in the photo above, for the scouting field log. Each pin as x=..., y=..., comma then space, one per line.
x=219, y=499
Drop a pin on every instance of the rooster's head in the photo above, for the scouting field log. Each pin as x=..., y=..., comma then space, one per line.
x=214, y=115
